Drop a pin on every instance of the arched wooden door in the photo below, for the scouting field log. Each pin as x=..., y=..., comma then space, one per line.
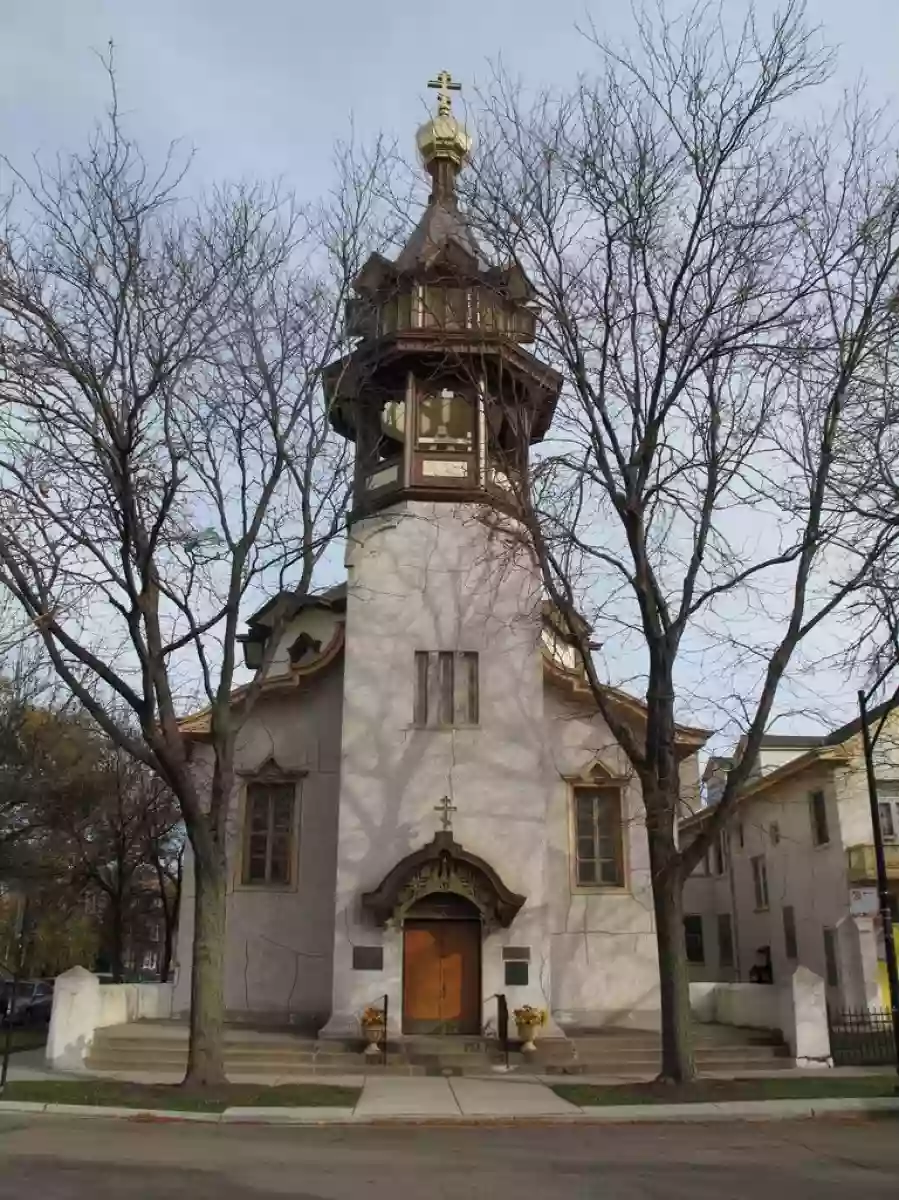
x=442, y=976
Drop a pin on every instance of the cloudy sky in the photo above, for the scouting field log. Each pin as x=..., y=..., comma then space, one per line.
x=263, y=87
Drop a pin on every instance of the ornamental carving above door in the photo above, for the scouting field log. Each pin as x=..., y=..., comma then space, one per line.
x=443, y=865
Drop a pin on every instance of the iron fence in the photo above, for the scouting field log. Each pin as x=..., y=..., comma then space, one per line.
x=861, y=1037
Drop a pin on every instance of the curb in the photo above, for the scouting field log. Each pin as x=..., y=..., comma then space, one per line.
x=732, y=1110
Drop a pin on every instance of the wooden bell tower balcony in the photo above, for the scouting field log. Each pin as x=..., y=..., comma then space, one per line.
x=439, y=395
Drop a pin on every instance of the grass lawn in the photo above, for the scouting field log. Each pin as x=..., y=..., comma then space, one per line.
x=113, y=1093
x=24, y=1039
x=716, y=1090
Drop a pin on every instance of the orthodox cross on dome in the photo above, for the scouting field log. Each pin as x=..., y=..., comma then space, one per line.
x=446, y=808
x=444, y=83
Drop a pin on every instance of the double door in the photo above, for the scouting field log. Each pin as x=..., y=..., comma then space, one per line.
x=442, y=977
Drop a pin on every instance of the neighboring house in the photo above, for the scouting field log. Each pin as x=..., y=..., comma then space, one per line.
x=798, y=848
x=430, y=807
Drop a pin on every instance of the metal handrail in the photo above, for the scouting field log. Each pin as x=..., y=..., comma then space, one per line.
x=502, y=1025
x=386, y=1035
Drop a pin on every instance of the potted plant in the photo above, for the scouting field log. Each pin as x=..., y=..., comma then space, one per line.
x=373, y=1027
x=528, y=1020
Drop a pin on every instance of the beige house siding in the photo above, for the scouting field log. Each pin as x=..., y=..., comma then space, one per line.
x=811, y=879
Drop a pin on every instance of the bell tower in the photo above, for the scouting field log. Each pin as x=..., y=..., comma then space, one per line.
x=443, y=674
x=440, y=395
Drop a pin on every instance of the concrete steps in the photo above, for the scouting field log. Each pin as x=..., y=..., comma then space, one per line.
x=147, y=1048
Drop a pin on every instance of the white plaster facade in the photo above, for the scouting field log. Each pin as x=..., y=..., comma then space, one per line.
x=432, y=576
x=773, y=821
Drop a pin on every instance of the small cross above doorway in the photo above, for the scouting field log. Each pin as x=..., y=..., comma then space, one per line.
x=446, y=808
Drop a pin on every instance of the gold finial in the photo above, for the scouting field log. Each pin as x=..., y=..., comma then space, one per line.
x=444, y=83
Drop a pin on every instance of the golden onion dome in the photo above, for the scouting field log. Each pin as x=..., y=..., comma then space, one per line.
x=443, y=137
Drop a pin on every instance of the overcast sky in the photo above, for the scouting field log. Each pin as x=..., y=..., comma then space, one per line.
x=263, y=88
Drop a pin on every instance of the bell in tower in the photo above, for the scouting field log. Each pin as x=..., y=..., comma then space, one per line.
x=439, y=395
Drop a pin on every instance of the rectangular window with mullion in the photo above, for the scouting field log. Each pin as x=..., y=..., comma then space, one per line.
x=599, y=849
x=760, y=881
x=818, y=813
x=269, y=850
x=446, y=689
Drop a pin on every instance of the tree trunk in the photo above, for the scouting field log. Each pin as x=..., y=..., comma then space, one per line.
x=171, y=908
x=165, y=961
x=206, y=1055
x=674, y=981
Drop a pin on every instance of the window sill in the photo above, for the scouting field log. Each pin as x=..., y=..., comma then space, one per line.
x=443, y=728
x=266, y=887
x=764, y=908
x=600, y=889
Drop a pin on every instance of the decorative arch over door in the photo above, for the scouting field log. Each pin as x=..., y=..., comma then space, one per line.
x=443, y=865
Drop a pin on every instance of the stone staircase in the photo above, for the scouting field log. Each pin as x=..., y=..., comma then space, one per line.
x=635, y=1054
x=158, y=1049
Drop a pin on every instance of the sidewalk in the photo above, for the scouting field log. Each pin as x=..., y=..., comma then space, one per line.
x=472, y=1100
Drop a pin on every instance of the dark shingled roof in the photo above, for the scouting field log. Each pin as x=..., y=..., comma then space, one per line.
x=440, y=226
x=332, y=597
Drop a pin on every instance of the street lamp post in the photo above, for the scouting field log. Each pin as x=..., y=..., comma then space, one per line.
x=883, y=888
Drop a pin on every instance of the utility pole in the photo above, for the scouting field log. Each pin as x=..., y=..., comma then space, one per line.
x=883, y=887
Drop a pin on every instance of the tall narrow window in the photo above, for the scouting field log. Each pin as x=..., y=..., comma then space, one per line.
x=818, y=812
x=791, y=948
x=725, y=941
x=693, y=939
x=760, y=881
x=269, y=833
x=421, y=711
x=446, y=689
x=720, y=855
x=467, y=697
x=831, y=969
x=599, y=849
x=889, y=809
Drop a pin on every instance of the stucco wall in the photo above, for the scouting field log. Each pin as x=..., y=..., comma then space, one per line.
x=706, y=896
x=603, y=946
x=279, y=941
x=433, y=577
x=812, y=879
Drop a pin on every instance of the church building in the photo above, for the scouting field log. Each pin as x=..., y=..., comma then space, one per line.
x=430, y=808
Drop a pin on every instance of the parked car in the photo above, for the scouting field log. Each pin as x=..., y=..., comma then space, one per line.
x=32, y=1005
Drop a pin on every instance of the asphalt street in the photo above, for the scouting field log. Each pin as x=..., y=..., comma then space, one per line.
x=65, y=1159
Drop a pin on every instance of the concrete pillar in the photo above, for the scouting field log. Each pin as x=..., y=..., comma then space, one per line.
x=804, y=1019
x=74, y=1018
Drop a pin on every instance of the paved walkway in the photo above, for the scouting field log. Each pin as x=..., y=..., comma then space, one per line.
x=459, y=1096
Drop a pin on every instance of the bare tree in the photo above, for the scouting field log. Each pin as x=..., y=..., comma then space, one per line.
x=166, y=452
x=114, y=828
x=714, y=284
